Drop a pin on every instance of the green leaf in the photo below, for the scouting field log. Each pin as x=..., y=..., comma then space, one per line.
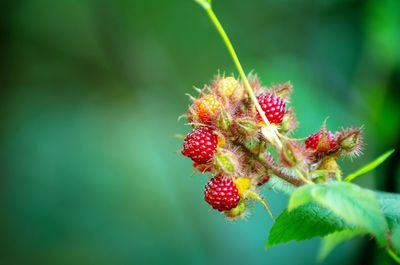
x=332, y=240
x=304, y=222
x=369, y=167
x=356, y=206
x=396, y=239
x=390, y=205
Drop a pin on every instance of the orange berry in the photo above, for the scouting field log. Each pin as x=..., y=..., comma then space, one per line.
x=207, y=107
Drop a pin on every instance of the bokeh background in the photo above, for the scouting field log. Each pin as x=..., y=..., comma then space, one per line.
x=90, y=95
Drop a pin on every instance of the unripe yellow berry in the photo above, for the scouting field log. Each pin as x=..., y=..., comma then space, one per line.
x=226, y=86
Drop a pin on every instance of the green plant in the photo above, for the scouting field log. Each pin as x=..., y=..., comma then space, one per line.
x=253, y=125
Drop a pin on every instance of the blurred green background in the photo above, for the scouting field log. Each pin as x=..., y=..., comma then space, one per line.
x=90, y=95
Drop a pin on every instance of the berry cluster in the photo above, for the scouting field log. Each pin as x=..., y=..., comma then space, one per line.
x=243, y=149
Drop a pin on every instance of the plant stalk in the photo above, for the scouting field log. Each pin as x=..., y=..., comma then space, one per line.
x=273, y=132
x=393, y=255
x=269, y=165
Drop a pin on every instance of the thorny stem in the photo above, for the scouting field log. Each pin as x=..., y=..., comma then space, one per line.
x=278, y=172
x=272, y=130
x=269, y=165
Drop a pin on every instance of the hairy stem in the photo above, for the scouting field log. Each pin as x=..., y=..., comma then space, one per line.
x=279, y=173
x=268, y=164
x=273, y=132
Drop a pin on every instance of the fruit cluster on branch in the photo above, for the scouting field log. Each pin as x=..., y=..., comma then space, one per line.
x=230, y=140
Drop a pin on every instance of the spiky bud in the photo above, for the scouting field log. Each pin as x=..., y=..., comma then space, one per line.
x=292, y=154
x=350, y=141
x=246, y=127
x=254, y=145
x=321, y=142
x=227, y=162
x=224, y=120
x=289, y=122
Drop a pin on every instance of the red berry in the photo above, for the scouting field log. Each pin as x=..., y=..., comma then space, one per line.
x=221, y=193
x=273, y=107
x=200, y=145
x=321, y=141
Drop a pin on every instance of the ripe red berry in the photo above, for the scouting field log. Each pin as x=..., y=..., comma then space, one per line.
x=273, y=106
x=200, y=145
x=321, y=141
x=221, y=193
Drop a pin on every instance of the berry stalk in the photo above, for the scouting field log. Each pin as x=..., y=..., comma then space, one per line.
x=272, y=132
x=270, y=165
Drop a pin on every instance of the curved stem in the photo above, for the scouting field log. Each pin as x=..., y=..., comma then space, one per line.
x=252, y=195
x=301, y=176
x=393, y=255
x=278, y=172
x=270, y=165
x=207, y=6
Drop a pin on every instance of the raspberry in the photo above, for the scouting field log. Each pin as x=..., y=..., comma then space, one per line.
x=207, y=107
x=321, y=141
x=226, y=86
x=221, y=193
x=273, y=106
x=200, y=145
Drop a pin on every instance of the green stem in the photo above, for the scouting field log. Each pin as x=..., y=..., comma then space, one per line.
x=301, y=176
x=393, y=255
x=207, y=6
x=252, y=195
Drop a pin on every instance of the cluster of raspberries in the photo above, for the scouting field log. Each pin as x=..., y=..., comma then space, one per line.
x=232, y=142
